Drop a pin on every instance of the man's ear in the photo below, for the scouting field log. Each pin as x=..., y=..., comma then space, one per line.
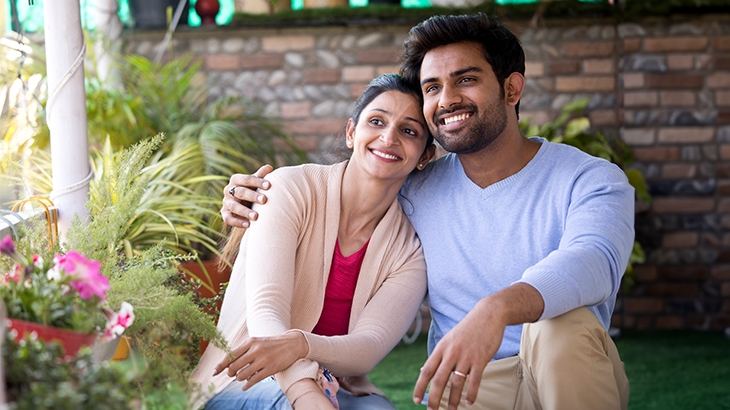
x=350, y=133
x=513, y=87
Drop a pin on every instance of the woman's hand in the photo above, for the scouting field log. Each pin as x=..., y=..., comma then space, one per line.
x=306, y=394
x=240, y=194
x=261, y=357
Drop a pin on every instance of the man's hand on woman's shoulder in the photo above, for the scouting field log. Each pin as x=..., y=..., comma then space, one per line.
x=240, y=194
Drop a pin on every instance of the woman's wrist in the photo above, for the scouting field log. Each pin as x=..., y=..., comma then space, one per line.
x=299, y=341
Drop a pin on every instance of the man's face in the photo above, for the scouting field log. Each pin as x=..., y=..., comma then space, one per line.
x=462, y=101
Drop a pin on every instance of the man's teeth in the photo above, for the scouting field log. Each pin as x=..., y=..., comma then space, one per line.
x=384, y=155
x=460, y=117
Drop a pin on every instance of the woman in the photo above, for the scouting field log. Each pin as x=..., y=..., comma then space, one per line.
x=331, y=274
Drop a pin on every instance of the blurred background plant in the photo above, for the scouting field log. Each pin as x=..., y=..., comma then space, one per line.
x=572, y=127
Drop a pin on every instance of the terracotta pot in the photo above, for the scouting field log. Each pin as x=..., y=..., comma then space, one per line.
x=207, y=10
x=70, y=340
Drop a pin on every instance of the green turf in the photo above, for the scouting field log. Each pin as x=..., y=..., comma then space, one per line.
x=668, y=370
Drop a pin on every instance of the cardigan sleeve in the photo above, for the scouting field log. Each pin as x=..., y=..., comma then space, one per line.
x=382, y=323
x=270, y=263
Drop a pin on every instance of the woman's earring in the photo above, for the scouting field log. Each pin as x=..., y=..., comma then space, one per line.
x=420, y=166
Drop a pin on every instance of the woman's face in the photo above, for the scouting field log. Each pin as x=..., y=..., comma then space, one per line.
x=390, y=137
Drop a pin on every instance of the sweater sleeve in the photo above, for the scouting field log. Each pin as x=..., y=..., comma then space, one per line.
x=384, y=320
x=270, y=264
x=594, y=249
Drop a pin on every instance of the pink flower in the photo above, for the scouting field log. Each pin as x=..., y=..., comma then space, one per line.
x=7, y=246
x=117, y=322
x=85, y=274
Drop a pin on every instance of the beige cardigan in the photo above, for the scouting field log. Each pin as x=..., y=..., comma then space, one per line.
x=290, y=248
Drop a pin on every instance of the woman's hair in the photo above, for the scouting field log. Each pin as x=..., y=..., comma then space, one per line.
x=502, y=49
x=379, y=85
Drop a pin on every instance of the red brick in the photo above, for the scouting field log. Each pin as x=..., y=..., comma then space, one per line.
x=645, y=273
x=725, y=152
x=638, y=136
x=723, y=170
x=633, y=80
x=357, y=89
x=710, y=239
x=280, y=44
x=563, y=67
x=656, y=154
x=643, y=305
x=386, y=69
x=678, y=98
x=640, y=99
x=674, y=80
x=689, y=135
x=222, y=62
x=378, y=56
x=680, y=62
x=721, y=43
x=680, y=290
x=290, y=110
x=644, y=323
x=308, y=143
x=577, y=84
x=725, y=289
x=661, y=45
x=722, y=98
x=722, y=322
x=723, y=206
x=685, y=273
x=631, y=45
x=680, y=240
x=259, y=61
x=599, y=66
x=722, y=63
x=322, y=126
x=669, y=322
x=719, y=80
x=322, y=76
x=358, y=74
x=679, y=171
x=723, y=117
x=588, y=49
x=723, y=188
x=533, y=70
x=603, y=117
x=680, y=205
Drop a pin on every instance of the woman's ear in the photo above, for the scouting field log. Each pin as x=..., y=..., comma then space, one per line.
x=427, y=156
x=350, y=133
x=513, y=87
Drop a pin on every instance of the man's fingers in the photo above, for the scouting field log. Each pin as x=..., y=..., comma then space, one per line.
x=264, y=171
x=458, y=379
x=474, y=381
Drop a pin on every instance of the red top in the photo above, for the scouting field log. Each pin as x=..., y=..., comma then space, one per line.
x=335, y=317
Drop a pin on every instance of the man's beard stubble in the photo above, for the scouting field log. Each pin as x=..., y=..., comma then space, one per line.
x=485, y=129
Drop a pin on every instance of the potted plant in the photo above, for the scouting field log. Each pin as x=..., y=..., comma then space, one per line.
x=63, y=298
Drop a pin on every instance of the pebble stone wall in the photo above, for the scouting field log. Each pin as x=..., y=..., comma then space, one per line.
x=661, y=84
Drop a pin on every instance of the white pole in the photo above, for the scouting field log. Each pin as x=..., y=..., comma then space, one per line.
x=106, y=43
x=66, y=110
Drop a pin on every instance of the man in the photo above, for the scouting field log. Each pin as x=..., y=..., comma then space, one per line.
x=515, y=231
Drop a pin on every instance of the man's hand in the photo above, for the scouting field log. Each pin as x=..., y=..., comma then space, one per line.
x=260, y=357
x=464, y=352
x=240, y=194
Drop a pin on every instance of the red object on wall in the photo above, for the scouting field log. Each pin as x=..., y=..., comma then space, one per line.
x=207, y=10
x=70, y=340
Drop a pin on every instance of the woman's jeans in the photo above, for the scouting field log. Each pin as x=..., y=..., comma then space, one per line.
x=267, y=395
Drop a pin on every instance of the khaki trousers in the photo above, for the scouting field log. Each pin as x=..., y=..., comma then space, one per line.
x=565, y=363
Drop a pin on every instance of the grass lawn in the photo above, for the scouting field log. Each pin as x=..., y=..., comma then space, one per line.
x=667, y=370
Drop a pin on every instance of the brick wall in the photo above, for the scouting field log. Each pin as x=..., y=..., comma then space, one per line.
x=662, y=85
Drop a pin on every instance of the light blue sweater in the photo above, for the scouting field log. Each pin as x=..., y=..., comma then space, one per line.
x=563, y=224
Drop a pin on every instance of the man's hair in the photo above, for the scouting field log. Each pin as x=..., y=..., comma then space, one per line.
x=502, y=49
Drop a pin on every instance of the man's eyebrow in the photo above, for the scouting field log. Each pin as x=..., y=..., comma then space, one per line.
x=461, y=71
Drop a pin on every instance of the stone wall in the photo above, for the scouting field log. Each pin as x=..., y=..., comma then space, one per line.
x=663, y=85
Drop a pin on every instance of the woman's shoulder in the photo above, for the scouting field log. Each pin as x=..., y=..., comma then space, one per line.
x=298, y=174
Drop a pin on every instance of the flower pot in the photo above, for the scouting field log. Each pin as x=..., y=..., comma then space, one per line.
x=70, y=340
x=207, y=10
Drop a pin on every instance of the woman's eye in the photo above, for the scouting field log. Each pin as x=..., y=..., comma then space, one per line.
x=376, y=121
x=410, y=132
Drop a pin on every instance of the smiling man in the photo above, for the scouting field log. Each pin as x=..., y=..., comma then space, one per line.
x=525, y=240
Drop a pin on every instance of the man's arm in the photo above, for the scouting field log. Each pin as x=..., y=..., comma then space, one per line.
x=240, y=194
x=470, y=345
